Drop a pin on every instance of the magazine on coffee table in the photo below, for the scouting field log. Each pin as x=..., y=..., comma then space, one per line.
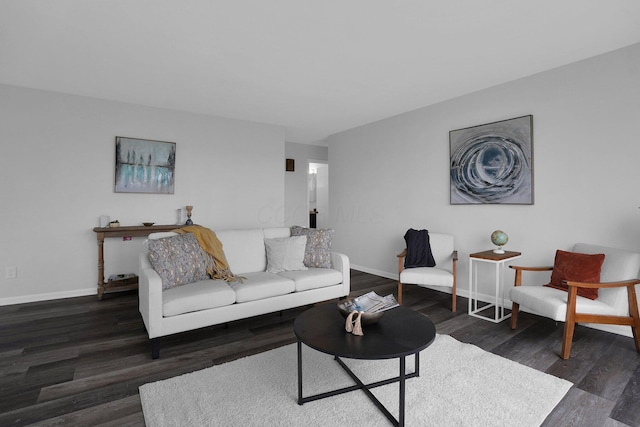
x=371, y=303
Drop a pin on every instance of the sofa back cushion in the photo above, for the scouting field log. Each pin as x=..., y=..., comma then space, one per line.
x=276, y=232
x=244, y=250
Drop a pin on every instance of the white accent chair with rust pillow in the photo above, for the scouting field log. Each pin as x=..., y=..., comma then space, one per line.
x=580, y=291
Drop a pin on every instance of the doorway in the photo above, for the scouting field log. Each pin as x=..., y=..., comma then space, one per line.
x=318, y=194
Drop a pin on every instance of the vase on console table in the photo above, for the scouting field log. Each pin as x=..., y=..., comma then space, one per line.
x=189, y=221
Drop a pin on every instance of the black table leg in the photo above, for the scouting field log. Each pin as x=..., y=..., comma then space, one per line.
x=402, y=381
x=300, y=402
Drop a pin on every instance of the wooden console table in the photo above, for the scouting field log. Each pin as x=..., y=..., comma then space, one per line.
x=132, y=231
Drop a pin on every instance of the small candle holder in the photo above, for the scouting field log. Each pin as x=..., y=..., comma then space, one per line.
x=189, y=221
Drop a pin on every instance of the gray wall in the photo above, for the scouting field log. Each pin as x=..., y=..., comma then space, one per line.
x=586, y=119
x=57, y=167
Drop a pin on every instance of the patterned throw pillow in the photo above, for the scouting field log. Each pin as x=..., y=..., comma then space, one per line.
x=178, y=260
x=318, y=250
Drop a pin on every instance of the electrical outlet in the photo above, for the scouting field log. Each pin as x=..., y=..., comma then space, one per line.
x=11, y=272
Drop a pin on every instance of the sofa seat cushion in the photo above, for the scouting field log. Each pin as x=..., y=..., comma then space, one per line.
x=550, y=302
x=426, y=276
x=313, y=278
x=261, y=285
x=197, y=296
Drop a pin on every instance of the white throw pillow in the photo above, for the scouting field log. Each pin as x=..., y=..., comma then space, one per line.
x=285, y=253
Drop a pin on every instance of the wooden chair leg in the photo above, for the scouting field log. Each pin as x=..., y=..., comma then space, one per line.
x=399, y=292
x=567, y=338
x=453, y=295
x=570, y=323
x=633, y=312
x=453, y=300
x=515, y=309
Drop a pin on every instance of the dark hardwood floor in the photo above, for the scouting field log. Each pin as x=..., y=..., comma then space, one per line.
x=80, y=361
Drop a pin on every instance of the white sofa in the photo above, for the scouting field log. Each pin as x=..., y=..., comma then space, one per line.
x=211, y=302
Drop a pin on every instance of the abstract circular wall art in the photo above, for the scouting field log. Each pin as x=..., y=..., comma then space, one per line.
x=493, y=163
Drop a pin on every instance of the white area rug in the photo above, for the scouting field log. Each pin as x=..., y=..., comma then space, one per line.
x=459, y=385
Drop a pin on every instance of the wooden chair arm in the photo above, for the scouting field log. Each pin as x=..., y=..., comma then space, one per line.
x=517, y=280
x=401, y=256
x=623, y=283
x=519, y=267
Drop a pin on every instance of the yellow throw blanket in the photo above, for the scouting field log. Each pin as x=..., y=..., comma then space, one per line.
x=218, y=268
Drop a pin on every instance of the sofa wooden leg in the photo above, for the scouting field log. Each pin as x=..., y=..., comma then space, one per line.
x=155, y=348
x=515, y=308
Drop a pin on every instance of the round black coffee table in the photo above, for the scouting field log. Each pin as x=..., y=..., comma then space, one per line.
x=399, y=333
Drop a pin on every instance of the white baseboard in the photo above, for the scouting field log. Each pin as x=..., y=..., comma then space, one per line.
x=48, y=296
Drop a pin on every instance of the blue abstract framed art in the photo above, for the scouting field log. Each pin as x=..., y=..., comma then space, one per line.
x=144, y=166
x=492, y=163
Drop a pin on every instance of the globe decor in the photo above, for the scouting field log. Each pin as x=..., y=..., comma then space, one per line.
x=499, y=238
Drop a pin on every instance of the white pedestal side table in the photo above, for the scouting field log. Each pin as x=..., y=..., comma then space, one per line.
x=477, y=310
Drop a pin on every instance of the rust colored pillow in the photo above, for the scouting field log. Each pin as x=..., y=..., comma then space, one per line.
x=576, y=267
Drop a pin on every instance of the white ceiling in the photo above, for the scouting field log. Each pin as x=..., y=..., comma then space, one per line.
x=316, y=67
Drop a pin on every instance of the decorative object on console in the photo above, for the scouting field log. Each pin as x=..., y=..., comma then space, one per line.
x=493, y=163
x=189, y=221
x=181, y=214
x=114, y=224
x=499, y=238
x=144, y=166
x=104, y=221
x=148, y=224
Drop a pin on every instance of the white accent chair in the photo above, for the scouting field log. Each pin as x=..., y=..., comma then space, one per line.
x=442, y=275
x=616, y=303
